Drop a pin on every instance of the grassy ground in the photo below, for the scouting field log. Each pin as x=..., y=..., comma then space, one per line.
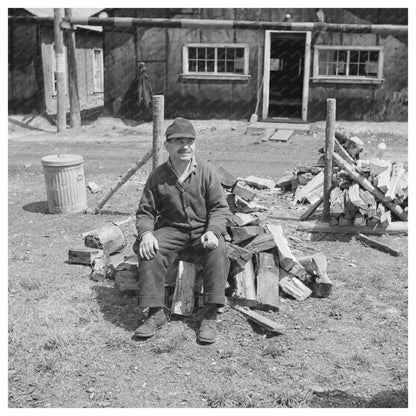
x=70, y=338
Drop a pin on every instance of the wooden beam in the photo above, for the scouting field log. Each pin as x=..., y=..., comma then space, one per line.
x=260, y=319
x=267, y=280
x=379, y=246
x=397, y=227
x=183, y=296
x=329, y=152
x=311, y=209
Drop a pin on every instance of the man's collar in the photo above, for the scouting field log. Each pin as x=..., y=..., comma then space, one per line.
x=192, y=165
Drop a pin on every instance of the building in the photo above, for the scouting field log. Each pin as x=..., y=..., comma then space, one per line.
x=32, y=66
x=226, y=73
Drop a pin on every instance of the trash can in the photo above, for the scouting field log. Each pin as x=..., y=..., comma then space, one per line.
x=65, y=183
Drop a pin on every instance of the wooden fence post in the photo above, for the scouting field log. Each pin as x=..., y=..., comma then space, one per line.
x=158, y=118
x=60, y=70
x=75, y=115
x=329, y=151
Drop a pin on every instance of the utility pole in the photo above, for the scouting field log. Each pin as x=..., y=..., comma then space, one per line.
x=75, y=114
x=60, y=70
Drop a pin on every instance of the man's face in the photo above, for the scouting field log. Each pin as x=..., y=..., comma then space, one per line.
x=180, y=149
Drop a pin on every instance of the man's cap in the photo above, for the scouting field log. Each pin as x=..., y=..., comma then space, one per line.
x=181, y=127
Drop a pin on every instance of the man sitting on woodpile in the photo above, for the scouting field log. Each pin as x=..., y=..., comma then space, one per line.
x=182, y=209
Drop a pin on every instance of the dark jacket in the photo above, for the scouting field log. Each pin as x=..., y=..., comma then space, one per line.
x=197, y=205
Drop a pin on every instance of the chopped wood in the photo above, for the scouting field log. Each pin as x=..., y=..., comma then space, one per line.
x=336, y=200
x=260, y=319
x=261, y=242
x=316, y=265
x=240, y=234
x=245, y=284
x=226, y=178
x=338, y=148
x=355, y=196
x=183, y=298
x=378, y=166
x=368, y=186
x=109, y=237
x=84, y=255
x=242, y=219
x=316, y=182
x=293, y=286
x=102, y=268
x=385, y=219
x=396, y=175
x=359, y=220
x=239, y=254
x=281, y=135
x=93, y=187
x=311, y=209
x=248, y=207
x=343, y=221
x=267, y=280
x=304, y=178
x=285, y=181
x=396, y=227
x=260, y=183
x=242, y=192
x=382, y=180
x=379, y=246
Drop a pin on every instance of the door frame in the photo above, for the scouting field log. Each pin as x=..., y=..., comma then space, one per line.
x=306, y=71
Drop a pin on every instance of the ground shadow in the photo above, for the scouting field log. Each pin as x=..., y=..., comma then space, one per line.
x=40, y=207
x=343, y=238
x=341, y=399
x=25, y=125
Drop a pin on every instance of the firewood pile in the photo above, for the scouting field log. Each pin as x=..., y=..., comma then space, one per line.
x=365, y=192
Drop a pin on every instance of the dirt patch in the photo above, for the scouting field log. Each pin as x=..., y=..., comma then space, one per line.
x=70, y=339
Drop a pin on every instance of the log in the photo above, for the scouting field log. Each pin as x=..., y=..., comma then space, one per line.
x=261, y=242
x=338, y=148
x=84, y=255
x=379, y=246
x=242, y=219
x=240, y=234
x=260, y=183
x=329, y=152
x=311, y=209
x=260, y=319
x=336, y=200
x=316, y=265
x=245, y=284
x=244, y=193
x=240, y=255
x=369, y=187
x=267, y=280
x=397, y=227
x=396, y=175
x=293, y=286
x=183, y=297
x=227, y=180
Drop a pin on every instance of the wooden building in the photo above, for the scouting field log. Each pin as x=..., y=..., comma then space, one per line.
x=32, y=76
x=219, y=73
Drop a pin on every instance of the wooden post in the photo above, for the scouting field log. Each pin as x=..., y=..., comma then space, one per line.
x=75, y=115
x=329, y=151
x=60, y=70
x=158, y=118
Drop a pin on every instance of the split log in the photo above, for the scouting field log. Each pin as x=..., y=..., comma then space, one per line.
x=315, y=195
x=84, y=255
x=311, y=209
x=293, y=286
x=244, y=193
x=338, y=148
x=102, y=268
x=369, y=187
x=379, y=246
x=382, y=180
x=355, y=197
x=183, y=298
x=260, y=319
x=109, y=237
x=359, y=220
x=242, y=219
x=240, y=255
x=316, y=265
x=240, y=234
x=396, y=227
x=285, y=181
x=378, y=166
x=226, y=178
x=260, y=183
x=317, y=181
x=286, y=259
x=336, y=200
x=245, y=207
x=267, y=280
x=261, y=242
x=396, y=175
x=245, y=284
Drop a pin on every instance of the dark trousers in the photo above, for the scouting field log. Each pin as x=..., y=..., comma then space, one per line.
x=185, y=244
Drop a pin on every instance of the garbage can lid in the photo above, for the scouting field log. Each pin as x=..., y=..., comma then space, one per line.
x=62, y=160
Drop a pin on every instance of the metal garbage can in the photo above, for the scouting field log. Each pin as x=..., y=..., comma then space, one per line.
x=65, y=183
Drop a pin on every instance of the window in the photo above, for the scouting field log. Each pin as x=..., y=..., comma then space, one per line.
x=348, y=64
x=98, y=70
x=219, y=61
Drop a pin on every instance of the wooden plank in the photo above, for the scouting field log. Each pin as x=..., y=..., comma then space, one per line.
x=84, y=255
x=311, y=209
x=245, y=284
x=316, y=182
x=267, y=280
x=293, y=286
x=338, y=148
x=240, y=234
x=281, y=136
x=183, y=298
x=260, y=319
x=244, y=193
x=396, y=227
x=267, y=134
x=329, y=152
x=379, y=246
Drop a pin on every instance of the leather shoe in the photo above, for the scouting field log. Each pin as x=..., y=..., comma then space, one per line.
x=208, y=328
x=155, y=321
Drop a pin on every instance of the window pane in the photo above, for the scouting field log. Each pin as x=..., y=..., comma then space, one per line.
x=210, y=66
x=239, y=53
x=322, y=68
x=192, y=53
x=192, y=65
x=230, y=53
x=201, y=66
x=374, y=56
x=201, y=53
x=354, y=56
x=230, y=66
x=221, y=66
x=364, y=56
x=221, y=53
x=210, y=53
x=331, y=68
x=353, y=69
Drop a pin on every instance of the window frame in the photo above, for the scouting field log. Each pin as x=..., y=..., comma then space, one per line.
x=348, y=78
x=94, y=68
x=186, y=74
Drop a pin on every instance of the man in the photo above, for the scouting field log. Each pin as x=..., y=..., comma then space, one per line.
x=182, y=209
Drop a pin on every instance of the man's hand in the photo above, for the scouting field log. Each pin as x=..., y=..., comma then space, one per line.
x=148, y=246
x=209, y=240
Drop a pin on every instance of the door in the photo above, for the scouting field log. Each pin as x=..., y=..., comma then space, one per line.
x=287, y=60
